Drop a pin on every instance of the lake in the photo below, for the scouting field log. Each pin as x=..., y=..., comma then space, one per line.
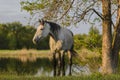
x=36, y=67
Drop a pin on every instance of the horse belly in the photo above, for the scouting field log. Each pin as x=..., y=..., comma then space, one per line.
x=67, y=44
x=67, y=38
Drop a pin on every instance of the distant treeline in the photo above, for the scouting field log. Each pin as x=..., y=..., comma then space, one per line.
x=16, y=36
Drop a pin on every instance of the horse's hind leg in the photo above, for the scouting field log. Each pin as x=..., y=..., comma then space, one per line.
x=70, y=63
x=59, y=64
x=54, y=64
x=63, y=63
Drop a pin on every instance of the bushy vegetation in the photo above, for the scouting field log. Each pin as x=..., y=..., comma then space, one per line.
x=16, y=36
x=91, y=41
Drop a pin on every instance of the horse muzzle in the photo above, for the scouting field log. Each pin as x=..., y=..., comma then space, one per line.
x=35, y=40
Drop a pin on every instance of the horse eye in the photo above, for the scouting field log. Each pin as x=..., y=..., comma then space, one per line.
x=42, y=29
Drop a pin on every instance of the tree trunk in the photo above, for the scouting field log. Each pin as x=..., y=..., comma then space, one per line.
x=116, y=41
x=106, y=38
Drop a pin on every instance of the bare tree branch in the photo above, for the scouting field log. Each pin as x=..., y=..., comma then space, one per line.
x=98, y=13
x=114, y=11
x=66, y=10
x=86, y=11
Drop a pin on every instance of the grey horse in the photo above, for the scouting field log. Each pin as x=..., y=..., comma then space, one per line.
x=61, y=41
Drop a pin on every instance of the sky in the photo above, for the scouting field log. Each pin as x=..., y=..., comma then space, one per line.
x=10, y=11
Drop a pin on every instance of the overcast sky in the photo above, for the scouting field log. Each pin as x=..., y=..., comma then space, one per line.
x=10, y=11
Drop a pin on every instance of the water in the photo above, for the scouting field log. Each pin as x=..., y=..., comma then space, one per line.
x=38, y=67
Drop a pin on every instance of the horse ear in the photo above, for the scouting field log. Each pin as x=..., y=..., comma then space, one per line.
x=41, y=21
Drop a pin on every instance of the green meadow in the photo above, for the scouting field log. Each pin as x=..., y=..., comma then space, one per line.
x=92, y=58
x=90, y=77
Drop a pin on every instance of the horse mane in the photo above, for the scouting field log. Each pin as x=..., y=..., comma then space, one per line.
x=54, y=27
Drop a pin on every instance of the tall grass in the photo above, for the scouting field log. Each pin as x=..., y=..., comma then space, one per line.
x=25, y=55
x=14, y=53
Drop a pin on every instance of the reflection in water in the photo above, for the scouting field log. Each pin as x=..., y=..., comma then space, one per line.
x=37, y=67
x=16, y=66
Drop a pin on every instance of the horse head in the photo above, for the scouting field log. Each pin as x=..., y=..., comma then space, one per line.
x=42, y=31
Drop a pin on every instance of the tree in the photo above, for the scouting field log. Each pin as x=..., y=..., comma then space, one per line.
x=110, y=46
x=13, y=32
x=3, y=36
x=79, y=41
x=107, y=38
x=93, y=40
x=116, y=40
x=76, y=10
x=16, y=36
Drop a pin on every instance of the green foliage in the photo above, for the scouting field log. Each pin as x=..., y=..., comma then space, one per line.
x=30, y=6
x=91, y=41
x=49, y=9
x=16, y=36
x=94, y=39
x=79, y=41
x=3, y=35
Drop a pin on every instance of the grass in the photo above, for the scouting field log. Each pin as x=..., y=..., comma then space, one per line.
x=85, y=56
x=90, y=77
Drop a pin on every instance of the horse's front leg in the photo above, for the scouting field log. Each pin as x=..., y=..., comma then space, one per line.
x=59, y=64
x=54, y=64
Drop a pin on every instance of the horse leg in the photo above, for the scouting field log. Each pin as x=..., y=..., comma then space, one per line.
x=63, y=63
x=54, y=64
x=70, y=63
x=59, y=64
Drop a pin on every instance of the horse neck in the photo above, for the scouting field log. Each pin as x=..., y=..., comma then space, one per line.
x=54, y=35
x=54, y=31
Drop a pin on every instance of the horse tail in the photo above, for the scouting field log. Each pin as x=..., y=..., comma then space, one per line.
x=74, y=53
